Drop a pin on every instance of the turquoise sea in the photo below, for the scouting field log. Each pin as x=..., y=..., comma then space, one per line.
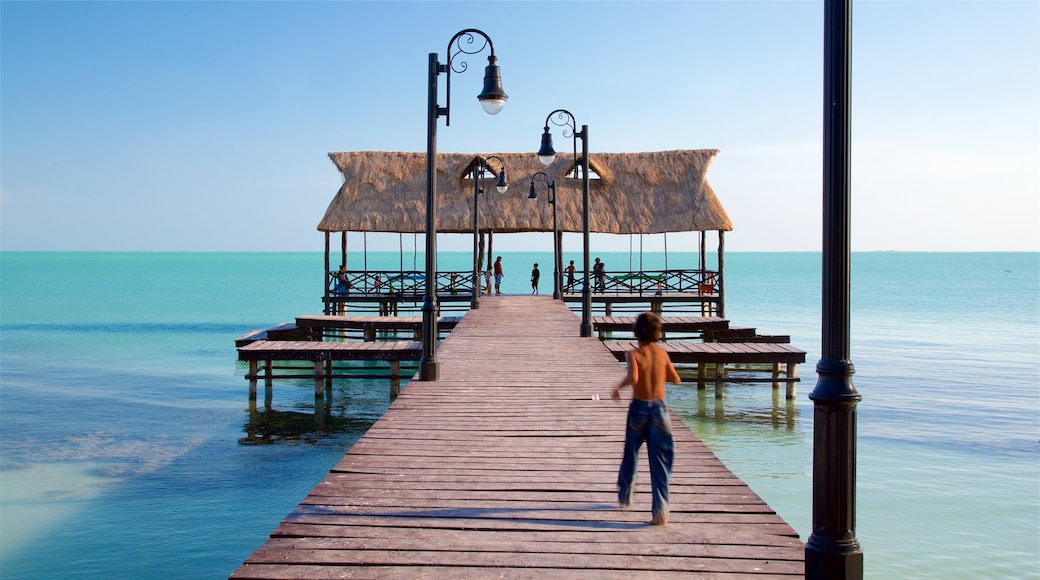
x=124, y=428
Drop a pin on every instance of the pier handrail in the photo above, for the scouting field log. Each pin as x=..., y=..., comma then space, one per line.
x=409, y=283
x=651, y=282
x=395, y=282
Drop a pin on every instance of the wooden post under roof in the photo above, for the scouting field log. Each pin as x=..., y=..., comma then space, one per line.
x=324, y=277
x=703, y=257
x=722, y=278
x=343, y=248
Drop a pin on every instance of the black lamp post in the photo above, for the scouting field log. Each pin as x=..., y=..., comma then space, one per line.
x=550, y=188
x=546, y=154
x=832, y=550
x=492, y=99
x=501, y=184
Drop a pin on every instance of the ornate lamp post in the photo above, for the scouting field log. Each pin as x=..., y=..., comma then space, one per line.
x=546, y=154
x=501, y=184
x=832, y=550
x=550, y=188
x=492, y=99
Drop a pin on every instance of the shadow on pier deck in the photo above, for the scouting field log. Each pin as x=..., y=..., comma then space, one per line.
x=506, y=467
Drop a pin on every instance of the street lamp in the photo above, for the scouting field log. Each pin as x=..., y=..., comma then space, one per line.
x=492, y=98
x=550, y=188
x=546, y=154
x=832, y=550
x=501, y=184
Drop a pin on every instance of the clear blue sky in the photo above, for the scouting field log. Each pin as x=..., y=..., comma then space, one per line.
x=205, y=125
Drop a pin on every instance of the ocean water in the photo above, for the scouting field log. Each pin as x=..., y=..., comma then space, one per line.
x=127, y=449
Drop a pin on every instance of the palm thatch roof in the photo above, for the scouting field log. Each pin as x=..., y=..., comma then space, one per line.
x=636, y=193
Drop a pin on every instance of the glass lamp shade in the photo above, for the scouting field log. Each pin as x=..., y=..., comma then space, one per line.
x=502, y=184
x=533, y=194
x=492, y=98
x=546, y=153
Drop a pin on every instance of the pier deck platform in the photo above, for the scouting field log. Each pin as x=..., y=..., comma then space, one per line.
x=369, y=325
x=506, y=467
x=712, y=358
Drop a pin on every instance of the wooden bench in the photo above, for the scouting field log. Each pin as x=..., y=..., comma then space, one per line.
x=706, y=304
x=322, y=354
x=369, y=325
x=742, y=334
x=604, y=324
x=389, y=304
x=284, y=331
x=719, y=354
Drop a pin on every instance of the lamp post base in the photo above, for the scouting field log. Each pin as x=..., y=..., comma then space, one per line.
x=586, y=311
x=825, y=564
x=428, y=362
x=428, y=371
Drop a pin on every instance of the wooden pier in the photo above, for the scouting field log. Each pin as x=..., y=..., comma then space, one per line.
x=507, y=466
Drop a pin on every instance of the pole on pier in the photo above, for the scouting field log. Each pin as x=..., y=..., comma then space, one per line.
x=832, y=550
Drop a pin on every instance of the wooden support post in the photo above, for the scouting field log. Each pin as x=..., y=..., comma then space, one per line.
x=702, y=373
x=792, y=373
x=776, y=376
x=268, y=372
x=720, y=306
x=252, y=381
x=370, y=333
x=395, y=379
x=720, y=377
x=319, y=381
x=325, y=276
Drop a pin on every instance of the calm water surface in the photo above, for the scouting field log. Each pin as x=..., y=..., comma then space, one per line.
x=127, y=449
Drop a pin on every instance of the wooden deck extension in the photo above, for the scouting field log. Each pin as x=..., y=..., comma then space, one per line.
x=322, y=354
x=712, y=357
x=506, y=468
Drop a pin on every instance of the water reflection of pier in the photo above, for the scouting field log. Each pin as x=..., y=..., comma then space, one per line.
x=782, y=414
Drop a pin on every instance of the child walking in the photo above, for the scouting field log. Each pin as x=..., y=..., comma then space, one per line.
x=648, y=369
x=535, y=276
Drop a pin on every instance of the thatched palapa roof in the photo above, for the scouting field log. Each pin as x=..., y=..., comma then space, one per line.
x=637, y=193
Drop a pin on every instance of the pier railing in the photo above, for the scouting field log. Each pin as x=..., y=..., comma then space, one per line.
x=652, y=282
x=410, y=283
x=396, y=283
x=391, y=290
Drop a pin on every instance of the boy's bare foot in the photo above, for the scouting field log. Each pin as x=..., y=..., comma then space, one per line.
x=659, y=520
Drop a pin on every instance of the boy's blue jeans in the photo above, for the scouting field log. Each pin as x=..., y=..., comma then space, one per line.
x=647, y=421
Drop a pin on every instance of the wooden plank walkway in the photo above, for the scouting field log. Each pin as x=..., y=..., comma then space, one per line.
x=506, y=468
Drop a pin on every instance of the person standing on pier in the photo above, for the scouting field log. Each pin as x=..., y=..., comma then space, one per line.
x=535, y=275
x=570, y=275
x=599, y=271
x=648, y=369
x=498, y=274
